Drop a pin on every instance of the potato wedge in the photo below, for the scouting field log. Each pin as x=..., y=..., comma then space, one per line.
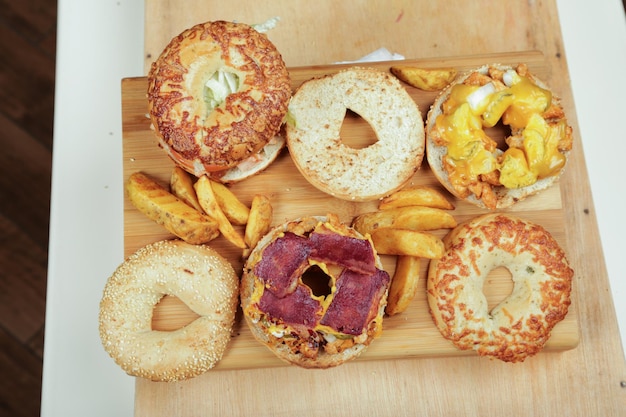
x=259, y=222
x=413, y=218
x=208, y=201
x=427, y=79
x=236, y=212
x=403, y=284
x=181, y=185
x=418, y=195
x=390, y=241
x=163, y=207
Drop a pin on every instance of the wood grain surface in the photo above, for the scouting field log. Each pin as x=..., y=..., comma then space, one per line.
x=409, y=334
x=27, y=93
x=581, y=381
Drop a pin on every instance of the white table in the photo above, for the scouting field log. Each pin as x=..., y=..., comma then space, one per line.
x=101, y=42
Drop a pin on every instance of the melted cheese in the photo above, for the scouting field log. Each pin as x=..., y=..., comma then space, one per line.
x=529, y=99
x=471, y=151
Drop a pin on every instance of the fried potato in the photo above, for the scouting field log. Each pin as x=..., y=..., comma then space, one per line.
x=236, y=211
x=208, y=201
x=416, y=196
x=181, y=185
x=427, y=79
x=259, y=222
x=413, y=218
x=163, y=207
x=403, y=284
x=391, y=241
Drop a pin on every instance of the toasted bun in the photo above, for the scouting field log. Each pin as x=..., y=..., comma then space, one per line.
x=316, y=114
x=251, y=283
x=505, y=197
x=202, y=138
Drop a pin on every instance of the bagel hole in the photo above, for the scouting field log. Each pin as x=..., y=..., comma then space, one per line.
x=356, y=132
x=171, y=314
x=499, y=133
x=498, y=286
x=318, y=281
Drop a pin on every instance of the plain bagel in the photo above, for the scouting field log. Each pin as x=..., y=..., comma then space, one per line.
x=472, y=165
x=217, y=97
x=198, y=276
x=520, y=325
x=316, y=113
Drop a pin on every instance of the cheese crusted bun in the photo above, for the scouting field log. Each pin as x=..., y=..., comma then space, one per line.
x=217, y=97
x=475, y=167
x=521, y=324
x=316, y=114
x=314, y=292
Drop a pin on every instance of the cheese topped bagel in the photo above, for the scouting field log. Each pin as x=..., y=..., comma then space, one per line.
x=217, y=96
x=521, y=324
x=475, y=167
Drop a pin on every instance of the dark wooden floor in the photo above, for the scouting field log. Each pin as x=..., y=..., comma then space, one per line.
x=27, y=64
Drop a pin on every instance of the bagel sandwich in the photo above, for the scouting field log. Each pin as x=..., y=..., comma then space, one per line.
x=217, y=98
x=314, y=292
x=474, y=166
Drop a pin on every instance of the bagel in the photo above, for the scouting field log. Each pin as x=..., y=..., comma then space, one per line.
x=314, y=292
x=217, y=96
x=316, y=113
x=198, y=276
x=519, y=326
x=475, y=167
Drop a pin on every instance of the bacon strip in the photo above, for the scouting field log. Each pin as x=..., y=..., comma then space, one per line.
x=295, y=308
x=355, y=254
x=283, y=261
x=356, y=301
x=359, y=287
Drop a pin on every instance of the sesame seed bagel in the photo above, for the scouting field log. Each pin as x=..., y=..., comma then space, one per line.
x=199, y=277
x=520, y=325
x=217, y=95
x=316, y=114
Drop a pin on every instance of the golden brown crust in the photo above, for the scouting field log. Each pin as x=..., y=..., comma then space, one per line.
x=521, y=324
x=198, y=276
x=196, y=137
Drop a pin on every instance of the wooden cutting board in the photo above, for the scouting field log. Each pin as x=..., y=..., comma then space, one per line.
x=410, y=334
